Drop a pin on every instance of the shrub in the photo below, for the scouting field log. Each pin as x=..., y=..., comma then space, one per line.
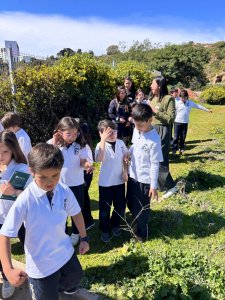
x=214, y=94
x=141, y=273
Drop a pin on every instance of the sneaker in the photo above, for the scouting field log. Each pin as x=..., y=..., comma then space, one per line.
x=71, y=291
x=181, y=151
x=116, y=231
x=105, y=237
x=74, y=238
x=174, y=151
x=90, y=225
x=7, y=289
x=170, y=192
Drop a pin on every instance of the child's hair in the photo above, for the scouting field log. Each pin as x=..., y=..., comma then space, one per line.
x=183, y=93
x=45, y=156
x=71, y=123
x=11, y=119
x=173, y=89
x=9, y=139
x=141, y=112
x=105, y=124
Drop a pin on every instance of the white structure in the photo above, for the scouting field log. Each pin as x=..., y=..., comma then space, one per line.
x=15, y=49
x=3, y=55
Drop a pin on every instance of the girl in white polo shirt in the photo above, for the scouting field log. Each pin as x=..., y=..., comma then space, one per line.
x=110, y=151
x=11, y=159
x=183, y=109
x=70, y=140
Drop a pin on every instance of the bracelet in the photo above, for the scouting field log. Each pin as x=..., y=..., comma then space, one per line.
x=84, y=239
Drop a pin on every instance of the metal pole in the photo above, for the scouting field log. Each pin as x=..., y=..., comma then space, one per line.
x=9, y=56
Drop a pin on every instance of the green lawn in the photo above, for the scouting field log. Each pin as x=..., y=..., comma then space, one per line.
x=185, y=253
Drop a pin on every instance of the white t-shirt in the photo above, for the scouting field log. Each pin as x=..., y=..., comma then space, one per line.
x=72, y=174
x=183, y=110
x=24, y=141
x=47, y=246
x=5, y=205
x=89, y=154
x=1, y=127
x=112, y=166
x=146, y=153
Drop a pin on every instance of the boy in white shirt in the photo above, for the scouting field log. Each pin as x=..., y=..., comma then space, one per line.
x=183, y=109
x=110, y=151
x=51, y=263
x=145, y=154
x=12, y=122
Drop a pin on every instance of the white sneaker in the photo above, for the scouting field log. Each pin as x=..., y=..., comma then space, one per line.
x=74, y=238
x=170, y=192
x=7, y=289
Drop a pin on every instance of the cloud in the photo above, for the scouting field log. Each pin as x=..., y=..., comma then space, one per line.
x=45, y=35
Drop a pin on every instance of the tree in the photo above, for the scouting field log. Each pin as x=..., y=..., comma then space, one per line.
x=65, y=52
x=113, y=49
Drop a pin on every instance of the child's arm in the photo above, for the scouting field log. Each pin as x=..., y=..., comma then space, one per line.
x=79, y=222
x=154, y=173
x=198, y=106
x=104, y=136
x=7, y=189
x=16, y=277
x=126, y=161
x=86, y=165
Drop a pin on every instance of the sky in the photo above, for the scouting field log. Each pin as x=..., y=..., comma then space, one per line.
x=43, y=28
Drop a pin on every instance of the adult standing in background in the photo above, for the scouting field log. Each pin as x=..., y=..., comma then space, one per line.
x=119, y=111
x=163, y=106
x=130, y=89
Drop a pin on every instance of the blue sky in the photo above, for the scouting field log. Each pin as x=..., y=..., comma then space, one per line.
x=45, y=27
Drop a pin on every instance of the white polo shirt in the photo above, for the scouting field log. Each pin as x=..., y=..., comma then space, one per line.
x=47, y=246
x=24, y=141
x=72, y=173
x=1, y=127
x=111, y=169
x=183, y=110
x=146, y=153
x=5, y=205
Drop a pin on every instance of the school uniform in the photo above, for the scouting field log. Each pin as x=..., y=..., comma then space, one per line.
x=1, y=127
x=146, y=154
x=183, y=110
x=111, y=185
x=72, y=174
x=5, y=205
x=24, y=141
x=48, y=248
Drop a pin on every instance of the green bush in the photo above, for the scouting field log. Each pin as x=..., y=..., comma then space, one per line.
x=77, y=86
x=214, y=94
x=141, y=273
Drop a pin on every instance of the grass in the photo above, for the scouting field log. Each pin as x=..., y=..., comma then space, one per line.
x=193, y=221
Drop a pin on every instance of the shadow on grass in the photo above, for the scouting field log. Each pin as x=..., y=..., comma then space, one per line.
x=176, y=224
x=201, y=156
x=202, y=180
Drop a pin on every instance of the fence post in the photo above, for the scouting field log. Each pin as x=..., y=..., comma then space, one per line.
x=11, y=70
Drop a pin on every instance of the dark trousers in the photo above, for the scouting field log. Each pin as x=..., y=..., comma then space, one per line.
x=138, y=202
x=21, y=236
x=165, y=180
x=180, y=133
x=66, y=278
x=86, y=211
x=78, y=192
x=107, y=196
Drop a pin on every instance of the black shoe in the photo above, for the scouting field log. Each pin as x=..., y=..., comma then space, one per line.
x=72, y=291
x=105, y=237
x=116, y=231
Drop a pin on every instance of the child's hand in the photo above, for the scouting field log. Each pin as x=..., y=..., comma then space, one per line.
x=125, y=176
x=7, y=189
x=16, y=277
x=89, y=168
x=83, y=247
x=57, y=138
x=126, y=158
x=153, y=194
x=106, y=133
